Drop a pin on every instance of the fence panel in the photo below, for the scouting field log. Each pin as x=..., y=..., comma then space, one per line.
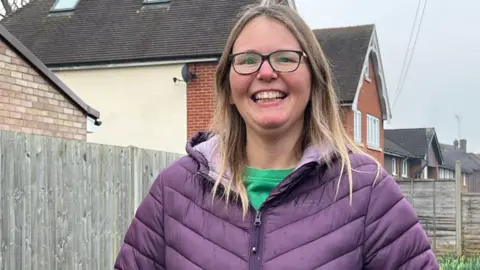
x=67, y=204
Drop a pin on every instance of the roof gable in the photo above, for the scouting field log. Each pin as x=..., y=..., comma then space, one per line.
x=34, y=62
x=416, y=141
x=346, y=49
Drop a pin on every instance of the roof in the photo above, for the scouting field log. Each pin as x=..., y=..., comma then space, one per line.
x=34, y=62
x=395, y=149
x=108, y=32
x=414, y=140
x=346, y=49
x=469, y=161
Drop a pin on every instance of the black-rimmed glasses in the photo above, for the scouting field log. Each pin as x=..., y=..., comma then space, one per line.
x=283, y=61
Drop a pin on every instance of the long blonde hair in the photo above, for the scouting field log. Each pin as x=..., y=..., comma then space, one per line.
x=323, y=122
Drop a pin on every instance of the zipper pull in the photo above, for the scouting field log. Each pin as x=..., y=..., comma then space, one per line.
x=257, y=224
x=258, y=220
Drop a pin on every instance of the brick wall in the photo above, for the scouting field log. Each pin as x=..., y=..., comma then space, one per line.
x=369, y=103
x=200, y=97
x=30, y=104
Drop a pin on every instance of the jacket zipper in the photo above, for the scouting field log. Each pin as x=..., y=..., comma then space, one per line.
x=255, y=261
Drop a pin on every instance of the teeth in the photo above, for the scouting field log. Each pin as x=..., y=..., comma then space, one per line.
x=269, y=95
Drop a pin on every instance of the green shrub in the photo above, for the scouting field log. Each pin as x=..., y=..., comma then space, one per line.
x=462, y=263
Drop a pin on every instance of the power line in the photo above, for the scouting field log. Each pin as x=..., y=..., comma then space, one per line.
x=407, y=66
x=408, y=46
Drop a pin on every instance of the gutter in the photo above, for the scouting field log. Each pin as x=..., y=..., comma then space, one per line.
x=134, y=64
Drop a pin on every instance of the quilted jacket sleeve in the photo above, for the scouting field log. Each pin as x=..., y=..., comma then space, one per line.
x=394, y=238
x=144, y=243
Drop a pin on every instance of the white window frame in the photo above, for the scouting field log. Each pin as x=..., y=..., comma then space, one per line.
x=357, y=126
x=404, y=168
x=394, y=166
x=65, y=5
x=373, y=131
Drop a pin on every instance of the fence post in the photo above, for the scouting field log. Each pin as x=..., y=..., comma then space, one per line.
x=458, y=207
x=434, y=206
x=136, y=176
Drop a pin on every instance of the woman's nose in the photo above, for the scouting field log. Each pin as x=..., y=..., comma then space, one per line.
x=266, y=71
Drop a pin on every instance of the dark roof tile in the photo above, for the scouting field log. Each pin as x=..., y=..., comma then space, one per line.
x=112, y=31
x=346, y=49
x=468, y=161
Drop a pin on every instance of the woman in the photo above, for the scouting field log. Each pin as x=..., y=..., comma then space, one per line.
x=292, y=191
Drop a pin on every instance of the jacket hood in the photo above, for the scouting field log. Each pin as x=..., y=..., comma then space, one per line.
x=203, y=148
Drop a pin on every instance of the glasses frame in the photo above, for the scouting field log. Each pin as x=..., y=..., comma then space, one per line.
x=267, y=57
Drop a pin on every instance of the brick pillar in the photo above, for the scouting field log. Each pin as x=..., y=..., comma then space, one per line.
x=200, y=97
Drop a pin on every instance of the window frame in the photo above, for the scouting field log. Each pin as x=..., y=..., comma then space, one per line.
x=69, y=8
x=373, y=131
x=357, y=126
x=394, y=166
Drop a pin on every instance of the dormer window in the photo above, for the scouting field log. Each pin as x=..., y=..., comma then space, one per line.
x=156, y=2
x=64, y=5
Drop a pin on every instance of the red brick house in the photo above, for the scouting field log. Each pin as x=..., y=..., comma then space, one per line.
x=33, y=100
x=160, y=37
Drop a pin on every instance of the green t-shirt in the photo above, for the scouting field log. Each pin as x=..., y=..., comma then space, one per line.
x=260, y=182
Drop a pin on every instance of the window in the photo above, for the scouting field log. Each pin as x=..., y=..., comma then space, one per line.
x=373, y=131
x=156, y=1
x=394, y=166
x=442, y=173
x=357, y=126
x=65, y=5
x=404, y=168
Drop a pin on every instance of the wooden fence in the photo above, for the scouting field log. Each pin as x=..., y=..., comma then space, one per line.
x=67, y=204
x=447, y=215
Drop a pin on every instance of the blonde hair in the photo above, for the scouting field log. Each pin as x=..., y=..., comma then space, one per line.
x=323, y=123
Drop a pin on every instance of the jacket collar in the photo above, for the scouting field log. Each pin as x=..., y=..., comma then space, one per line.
x=203, y=148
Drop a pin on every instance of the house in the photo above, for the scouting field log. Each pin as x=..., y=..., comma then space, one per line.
x=469, y=163
x=149, y=65
x=34, y=100
x=413, y=153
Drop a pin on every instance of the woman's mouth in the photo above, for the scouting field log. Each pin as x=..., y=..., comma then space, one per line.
x=268, y=96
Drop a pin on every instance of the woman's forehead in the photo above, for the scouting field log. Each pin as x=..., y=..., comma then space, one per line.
x=265, y=35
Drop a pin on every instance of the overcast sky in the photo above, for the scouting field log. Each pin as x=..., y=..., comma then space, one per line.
x=444, y=75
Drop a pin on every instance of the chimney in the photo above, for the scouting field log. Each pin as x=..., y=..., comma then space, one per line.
x=463, y=145
x=455, y=144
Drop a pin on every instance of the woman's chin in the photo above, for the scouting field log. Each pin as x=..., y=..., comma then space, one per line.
x=270, y=123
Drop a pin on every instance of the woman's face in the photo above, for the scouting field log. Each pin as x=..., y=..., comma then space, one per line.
x=266, y=99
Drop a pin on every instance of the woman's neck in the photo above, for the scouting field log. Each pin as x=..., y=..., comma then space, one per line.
x=277, y=152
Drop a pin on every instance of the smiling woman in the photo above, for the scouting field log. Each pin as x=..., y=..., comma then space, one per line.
x=277, y=183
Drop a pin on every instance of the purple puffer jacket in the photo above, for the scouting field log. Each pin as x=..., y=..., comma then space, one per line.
x=300, y=226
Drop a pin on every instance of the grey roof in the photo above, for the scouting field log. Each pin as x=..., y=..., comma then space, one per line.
x=346, y=49
x=113, y=31
x=469, y=161
x=414, y=140
x=15, y=45
x=393, y=148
